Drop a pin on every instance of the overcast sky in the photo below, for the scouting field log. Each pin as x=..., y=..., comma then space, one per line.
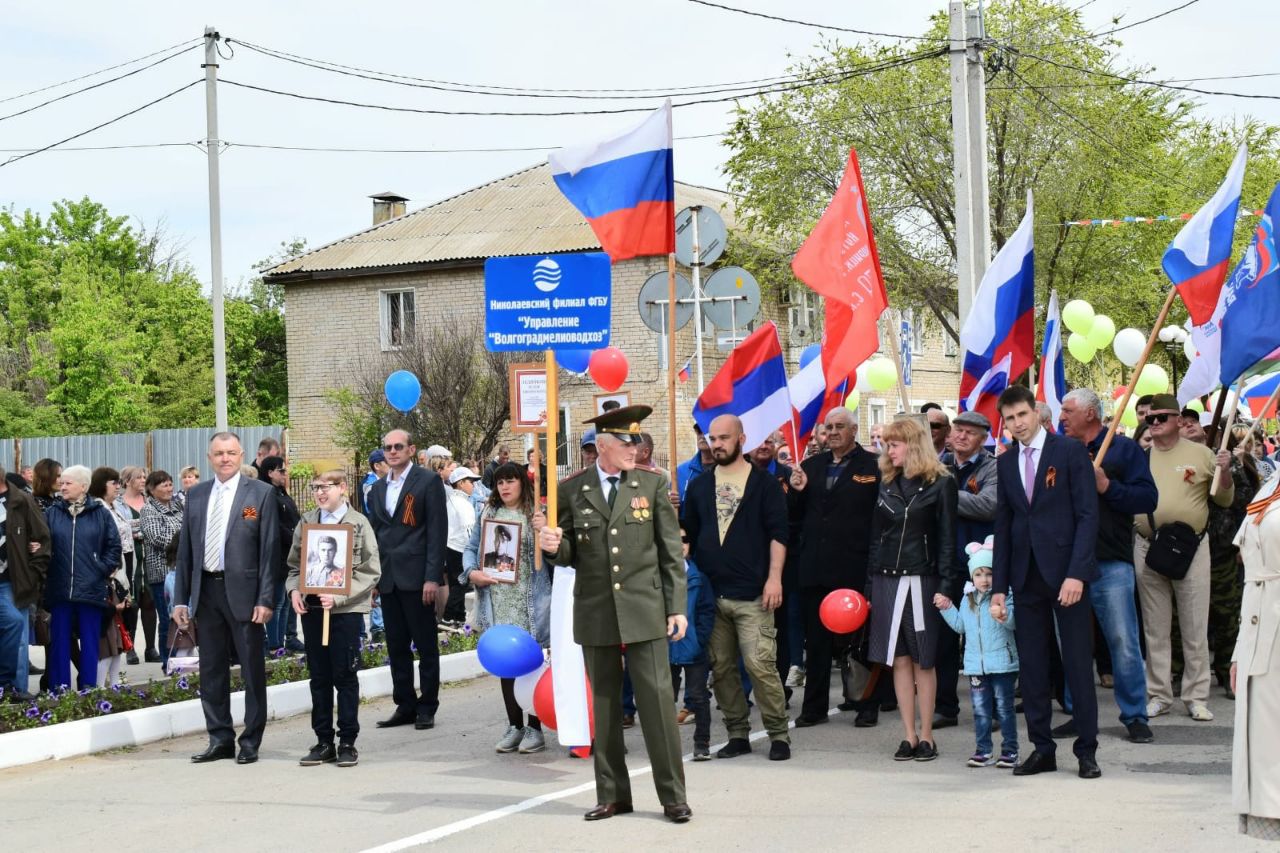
x=270, y=196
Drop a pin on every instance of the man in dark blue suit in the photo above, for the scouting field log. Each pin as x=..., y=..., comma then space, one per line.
x=1045, y=550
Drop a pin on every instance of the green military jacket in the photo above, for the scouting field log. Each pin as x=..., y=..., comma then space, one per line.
x=630, y=569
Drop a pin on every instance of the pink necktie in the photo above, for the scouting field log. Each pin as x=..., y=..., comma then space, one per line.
x=1030, y=468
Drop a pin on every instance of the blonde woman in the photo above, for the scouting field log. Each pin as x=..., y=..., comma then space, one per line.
x=912, y=558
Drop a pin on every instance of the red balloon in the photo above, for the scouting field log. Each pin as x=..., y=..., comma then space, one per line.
x=1120, y=391
x=608, y=368
x=544, y=703
x=843, y=611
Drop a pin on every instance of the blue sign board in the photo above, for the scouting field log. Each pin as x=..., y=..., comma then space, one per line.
x=547, y=302
x=904, y=335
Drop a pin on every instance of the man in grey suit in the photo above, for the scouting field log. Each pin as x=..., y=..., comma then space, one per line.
x=228, y=545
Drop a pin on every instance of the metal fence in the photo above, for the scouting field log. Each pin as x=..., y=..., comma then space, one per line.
x=164, y=449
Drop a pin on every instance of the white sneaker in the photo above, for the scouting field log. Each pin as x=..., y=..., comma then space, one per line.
x=795, y=677
x=533, y=741
x=1199, y=712
x=510, y=741
x=1156, y=708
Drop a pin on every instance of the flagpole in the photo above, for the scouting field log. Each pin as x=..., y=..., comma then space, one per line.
x=1217, y=416
x=553, y=418
x=674, y=462
x=1137, y=371
x=1226, y=431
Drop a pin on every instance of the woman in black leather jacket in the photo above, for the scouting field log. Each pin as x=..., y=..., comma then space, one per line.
x=912, y=557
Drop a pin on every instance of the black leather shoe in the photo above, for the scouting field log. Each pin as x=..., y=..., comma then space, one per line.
x=804, y=721
x=608, y=810
x=1089, y=769
x=847, y=705
x=152, y=656
x=215, y=752
x=399, y=718
x=866, y=718
x=779, y=750
x=1067, y=729
x=1140, y=733
x=677, y=812
x=424, y=721
x=248, y=755
x=735, y=747
x=132, y=658
x=942, y=721
x=1037, y=762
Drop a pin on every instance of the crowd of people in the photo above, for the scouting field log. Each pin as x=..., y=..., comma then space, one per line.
x=1129, y=562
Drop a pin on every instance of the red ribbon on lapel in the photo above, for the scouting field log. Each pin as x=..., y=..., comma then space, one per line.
x=409, y=518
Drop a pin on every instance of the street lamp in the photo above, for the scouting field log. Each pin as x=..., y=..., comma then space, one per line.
x=1174, y=338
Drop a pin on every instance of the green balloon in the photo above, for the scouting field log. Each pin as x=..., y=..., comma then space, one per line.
x=1077, y=315
x=1102, y=331
x=881, y=374
x=1080, y=347
x=1196, y=405
x=1130, y=416
x=851, y=402
x=1153, y=380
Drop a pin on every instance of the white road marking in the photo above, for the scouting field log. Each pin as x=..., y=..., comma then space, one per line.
x=433, y=835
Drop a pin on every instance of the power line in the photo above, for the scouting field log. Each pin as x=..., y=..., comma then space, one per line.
x=97, y=85
x=835, y=78
x=106, y=123
x=1147, y=20
x=1136, y=80
x=137, y=145
x=811, y=24
x=99, y=71
x=453, y=85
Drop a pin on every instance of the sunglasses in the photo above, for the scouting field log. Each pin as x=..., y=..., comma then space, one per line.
x=394, y=447
x=1157, y=419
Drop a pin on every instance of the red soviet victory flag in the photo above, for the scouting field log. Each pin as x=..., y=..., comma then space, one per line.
x=839, y=261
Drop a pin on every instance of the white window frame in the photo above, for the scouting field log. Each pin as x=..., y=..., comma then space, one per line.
x=917, y=331
x=384, y=318
x=949, y=346
x=875, y=413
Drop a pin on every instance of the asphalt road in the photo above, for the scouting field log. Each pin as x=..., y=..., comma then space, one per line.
x=447, y=789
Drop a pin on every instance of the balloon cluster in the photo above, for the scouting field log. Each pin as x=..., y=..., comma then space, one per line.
x=1090, y=331
x=510, y=652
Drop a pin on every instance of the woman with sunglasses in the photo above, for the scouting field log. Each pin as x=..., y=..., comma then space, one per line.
x=526, y=603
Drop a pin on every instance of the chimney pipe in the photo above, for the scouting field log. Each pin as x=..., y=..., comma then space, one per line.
x=386, y=206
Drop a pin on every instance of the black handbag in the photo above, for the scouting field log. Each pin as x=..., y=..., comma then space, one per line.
x=858, y=674
x=1173, y=547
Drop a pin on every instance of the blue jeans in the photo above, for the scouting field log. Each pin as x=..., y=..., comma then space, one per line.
x=1111, y=596
x=995, y=688
x=276, y=624
x=13, y=640
x=162, y=615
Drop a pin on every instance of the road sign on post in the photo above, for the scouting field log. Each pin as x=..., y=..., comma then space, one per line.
x=904, y=344
x=547, y=302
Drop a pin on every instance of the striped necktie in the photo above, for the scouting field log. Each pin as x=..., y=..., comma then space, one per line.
x=213, y=536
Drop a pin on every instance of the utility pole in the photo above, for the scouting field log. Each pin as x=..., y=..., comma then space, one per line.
x=212, y=144
x=969, y=153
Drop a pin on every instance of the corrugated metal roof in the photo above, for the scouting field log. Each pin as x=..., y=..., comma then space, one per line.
x=520, y=214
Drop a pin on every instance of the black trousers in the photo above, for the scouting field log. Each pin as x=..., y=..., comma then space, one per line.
x=947, y=666
x=221, y=635
x=408, y=621
x=334, y=667
x=1035, y=608
x=455, y=609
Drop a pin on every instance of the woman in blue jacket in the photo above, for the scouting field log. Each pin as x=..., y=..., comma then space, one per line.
x=86, y=552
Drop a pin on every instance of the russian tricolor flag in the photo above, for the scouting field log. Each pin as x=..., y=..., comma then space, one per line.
x=683, y=375
x=999, y=335
x=752, y=384
x=1053, y=374
x=625, y=187
x=810, y=402
x=1196, y=260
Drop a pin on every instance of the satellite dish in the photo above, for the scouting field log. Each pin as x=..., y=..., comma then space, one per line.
x=712, y=236
x=652, y=302
x=737, y=298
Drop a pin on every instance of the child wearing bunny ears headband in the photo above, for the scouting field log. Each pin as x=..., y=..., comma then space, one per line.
x=990, y=659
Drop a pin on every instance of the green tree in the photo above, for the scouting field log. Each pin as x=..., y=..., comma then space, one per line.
x=1088, y=145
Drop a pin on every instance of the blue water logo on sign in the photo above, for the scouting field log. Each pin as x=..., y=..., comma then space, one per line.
x=547, y=302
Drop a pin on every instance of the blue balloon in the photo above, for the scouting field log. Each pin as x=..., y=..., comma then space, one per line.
x=402, y=390
x=574, y=360
x=810, y=352
x=508, y=652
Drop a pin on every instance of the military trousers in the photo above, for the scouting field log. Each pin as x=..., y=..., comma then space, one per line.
x=744, y=628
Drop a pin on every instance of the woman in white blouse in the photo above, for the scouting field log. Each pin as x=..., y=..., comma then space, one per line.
x=1255, y=670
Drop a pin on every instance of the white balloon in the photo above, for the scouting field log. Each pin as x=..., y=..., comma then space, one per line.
x=524, y=687
x=860, y=383
x=1128, y=346
x=1189, y=349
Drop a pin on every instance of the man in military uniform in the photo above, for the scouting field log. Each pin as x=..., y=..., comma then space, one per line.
x=618, y=529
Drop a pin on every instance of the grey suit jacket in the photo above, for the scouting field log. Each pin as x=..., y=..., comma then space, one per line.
x=252, y=547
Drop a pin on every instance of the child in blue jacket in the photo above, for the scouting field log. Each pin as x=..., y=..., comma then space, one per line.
x=990, y=658
x=689, y=654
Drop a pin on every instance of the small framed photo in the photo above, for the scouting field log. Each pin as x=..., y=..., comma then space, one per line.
x=326, y=559
x=622, y=398
x=500, y=549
